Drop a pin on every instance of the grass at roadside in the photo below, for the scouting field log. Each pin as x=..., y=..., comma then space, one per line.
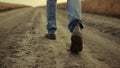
x=10, y=6
x=101, y=7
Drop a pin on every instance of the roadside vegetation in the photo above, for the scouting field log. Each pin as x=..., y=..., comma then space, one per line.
x=102, y=7
x=10, y=6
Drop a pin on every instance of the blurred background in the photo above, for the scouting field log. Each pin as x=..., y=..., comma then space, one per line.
x=104, y=7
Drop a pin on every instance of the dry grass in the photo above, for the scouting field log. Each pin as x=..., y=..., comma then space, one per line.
x=104, y=7
x=9, y=6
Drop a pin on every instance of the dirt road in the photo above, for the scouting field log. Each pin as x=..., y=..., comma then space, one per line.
x=23, y=45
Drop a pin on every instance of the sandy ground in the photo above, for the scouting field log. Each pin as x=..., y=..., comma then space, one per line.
x=23, y=45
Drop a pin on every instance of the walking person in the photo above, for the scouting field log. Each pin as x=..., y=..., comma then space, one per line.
x=75, y=25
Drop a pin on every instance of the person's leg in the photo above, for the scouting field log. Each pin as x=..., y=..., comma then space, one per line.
x=74, y=13
x=51, y=16
x=75, y=24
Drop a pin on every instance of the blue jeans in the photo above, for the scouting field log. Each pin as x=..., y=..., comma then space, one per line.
x=73, y=9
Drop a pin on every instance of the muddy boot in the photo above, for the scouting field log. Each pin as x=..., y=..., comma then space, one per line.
x=76, y=40
x=50, y=36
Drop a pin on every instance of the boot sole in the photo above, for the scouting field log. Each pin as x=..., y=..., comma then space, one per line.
x=76, y=44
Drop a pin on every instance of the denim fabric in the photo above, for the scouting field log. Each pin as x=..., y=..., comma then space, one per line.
x=73, y=9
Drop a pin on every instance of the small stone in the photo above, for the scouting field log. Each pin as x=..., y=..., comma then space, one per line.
x=100, y=59
x=33, y=27
x=28, y=52
x=33, y=32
